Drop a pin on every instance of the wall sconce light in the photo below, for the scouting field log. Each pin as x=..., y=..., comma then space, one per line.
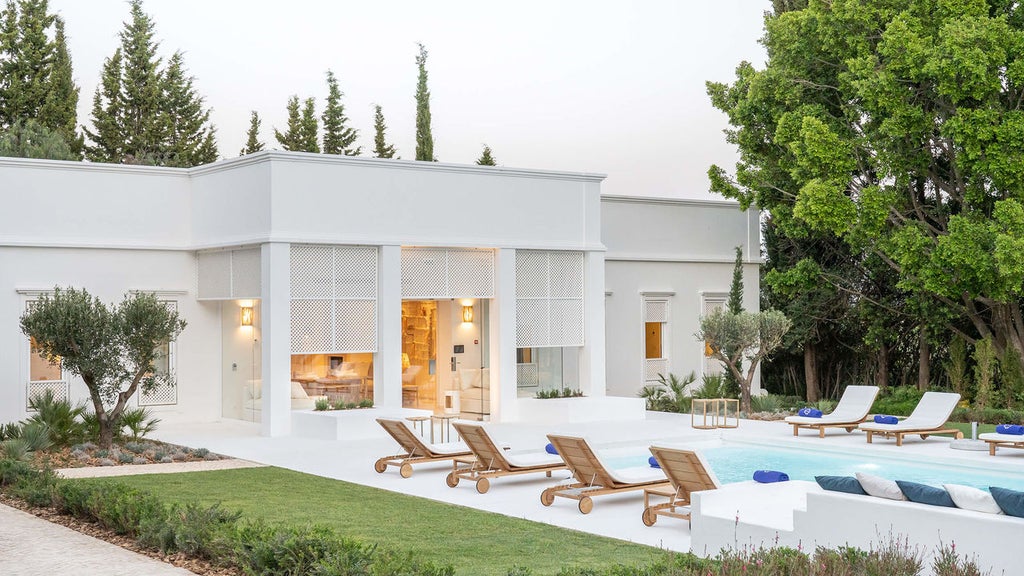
x=247, y=315
x=467, y=313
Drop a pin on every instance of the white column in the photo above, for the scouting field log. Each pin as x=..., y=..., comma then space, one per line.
x=503, y=339
x=275, y=306
x=387, y=362
x=592, y=361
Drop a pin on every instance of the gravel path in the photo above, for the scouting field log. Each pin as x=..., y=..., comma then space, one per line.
x=132, y=470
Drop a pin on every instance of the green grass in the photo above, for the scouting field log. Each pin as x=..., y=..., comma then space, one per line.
x=965, y=427
x=473, y=541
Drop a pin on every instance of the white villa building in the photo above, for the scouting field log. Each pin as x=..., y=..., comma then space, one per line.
x=449, y=288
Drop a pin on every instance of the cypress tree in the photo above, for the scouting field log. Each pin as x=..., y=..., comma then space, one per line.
x=735, y=306
x=424, y=138
x=59, y=111
x=486, y=159
x=381, y=148
x=252, y=142
x=289, y=140
x=107, y=114
x=308, y=127
x=26, y=56
x=191, y=140
x=338, y=136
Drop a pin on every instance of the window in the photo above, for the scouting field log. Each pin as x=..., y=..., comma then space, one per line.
x=164, y=362
x=656, y=346
x=711, y=301
x=44, y=374
x=652, y=339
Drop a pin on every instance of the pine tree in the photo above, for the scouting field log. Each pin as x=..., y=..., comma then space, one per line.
x=25, y=60
x=30, y=139
x=289, y=139
x=132, y=128
x=381, y=148
x=252, y=143
x=338, y=136
x=308, y=127
x=59, y=111
x=191, y=140
x=735, y=306
x=486, y=159
x=424, y=138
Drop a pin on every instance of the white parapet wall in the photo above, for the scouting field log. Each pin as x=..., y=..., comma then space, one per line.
x=800, y=514
x=584, y=409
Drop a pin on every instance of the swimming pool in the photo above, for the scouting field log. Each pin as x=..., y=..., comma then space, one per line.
x=737, y=463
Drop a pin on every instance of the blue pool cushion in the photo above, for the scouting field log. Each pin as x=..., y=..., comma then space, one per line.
x=550, y=449
x=925, y=494
x=1010, y=501
x=653, y=462
x=847, y=484
x=769, y=476
x=809, y=413
x=882, y=419
x=1013, y=429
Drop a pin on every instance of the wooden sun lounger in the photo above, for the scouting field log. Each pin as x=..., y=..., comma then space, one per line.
x=687, y=472
x=416, y=450
x=923, y=432
x=851, y=410
x=591, y=475
x=996, y=440
x=491, y=461
x=849, y=426
x=928, y=419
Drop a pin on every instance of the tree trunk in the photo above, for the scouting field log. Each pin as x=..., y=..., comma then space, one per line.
x=811, y=372
x=882, y=368
x=924, y=372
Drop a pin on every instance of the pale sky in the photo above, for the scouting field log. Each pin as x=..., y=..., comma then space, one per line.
x=588, y=86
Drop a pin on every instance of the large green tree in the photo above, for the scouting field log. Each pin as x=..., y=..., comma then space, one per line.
x=36, y=72
x=896, y=126
x=112, y=348
x=381, y=148
x=191, y=139
x=486, y=158
x=252, y=136
x=424, y=137
x=30, y=139
x=300, y=134
x=339, y=137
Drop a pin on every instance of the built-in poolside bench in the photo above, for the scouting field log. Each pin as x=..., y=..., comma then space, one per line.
x=800, y=513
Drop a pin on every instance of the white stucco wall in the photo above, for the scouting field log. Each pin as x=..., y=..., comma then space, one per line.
x=679, y=248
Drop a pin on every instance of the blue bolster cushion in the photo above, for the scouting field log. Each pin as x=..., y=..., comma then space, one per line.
x=1014, y=429
x=1011, y=501
x=809, y=413
x=880, y=419
x=653, y=462
x=847, y=484
x=769, y=476
x=925, y=494
x=550, y=449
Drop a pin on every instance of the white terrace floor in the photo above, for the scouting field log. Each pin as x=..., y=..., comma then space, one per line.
x=519, y=496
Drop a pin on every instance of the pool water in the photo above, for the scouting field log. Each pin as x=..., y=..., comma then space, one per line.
x=738, y=463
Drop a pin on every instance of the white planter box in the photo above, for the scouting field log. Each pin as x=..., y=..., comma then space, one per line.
x=582, y=409
x=348, y=424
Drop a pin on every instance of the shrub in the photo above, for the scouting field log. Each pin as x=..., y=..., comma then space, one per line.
x=15, y=449
x=900, y=401
x=125, y=458
x=137, y=423
x=765, y=403
x=712, y=386
x=200, y=452
x=366, y=403
x=135, y=447
x=60, y=417
x=10, y=430
x=322, y=404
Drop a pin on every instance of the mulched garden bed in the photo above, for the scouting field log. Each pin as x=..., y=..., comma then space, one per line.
x=120, y=454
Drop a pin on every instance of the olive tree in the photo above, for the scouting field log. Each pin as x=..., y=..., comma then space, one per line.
x=747, y=335
x=112, y=348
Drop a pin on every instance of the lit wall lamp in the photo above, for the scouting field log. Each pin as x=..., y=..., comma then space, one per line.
x=467, y=313
x=247, y=315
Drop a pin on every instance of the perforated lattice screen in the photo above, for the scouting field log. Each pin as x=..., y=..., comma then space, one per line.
x=59, y=388
x=709, y=305
x=655, y=366
x=164, y=394
x=429, y=273
x=655, y=311
x=527, y=376
x=334, y=298
x=228, y=274
x=549, y=298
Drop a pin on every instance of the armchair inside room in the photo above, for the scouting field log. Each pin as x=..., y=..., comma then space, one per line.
x=410, y=389
x=475, y=392
x=253, y=399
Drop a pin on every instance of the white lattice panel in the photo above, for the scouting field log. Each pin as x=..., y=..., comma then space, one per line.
x=424, y=273
x=471, y=273
x=59, y=389
x=566, y=274
x=312, y=271
x=655, y=311
x=355, y=326
x=161, y=395
x=531, y=323
x=655, y=366
x=214, y=275
x=527, y=376
x=355, y=273
x=566, y=324
x=245, y=273
x=531, y=274
x=312, y=326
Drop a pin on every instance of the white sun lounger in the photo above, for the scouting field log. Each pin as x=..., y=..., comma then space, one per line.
x=852, y=409
x=995, y=440
x=929, y=417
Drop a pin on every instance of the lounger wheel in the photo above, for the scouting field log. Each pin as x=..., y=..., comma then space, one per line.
x=924, y=436
x=405, y=470
x=649, y=517
x=483, y=485
x=451, y=480
x=586, y=505
x=547, y=497
x=850, y=429
x=380, y=465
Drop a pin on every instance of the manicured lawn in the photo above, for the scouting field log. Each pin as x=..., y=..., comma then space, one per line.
x=474, y=542
x=965, y=427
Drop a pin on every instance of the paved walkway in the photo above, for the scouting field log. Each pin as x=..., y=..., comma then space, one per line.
x=31, y=546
